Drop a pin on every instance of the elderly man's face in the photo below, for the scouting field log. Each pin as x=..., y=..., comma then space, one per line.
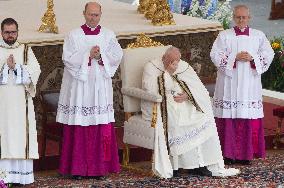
x=172, y=67
x=241, y=17
x=92, y=15
x=171, y=62
x=10, y=34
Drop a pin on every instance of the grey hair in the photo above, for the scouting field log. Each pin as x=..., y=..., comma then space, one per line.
x=171, y=50
x=239, y=7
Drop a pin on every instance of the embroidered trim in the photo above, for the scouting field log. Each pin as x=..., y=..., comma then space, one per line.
x=164, y=112
x=185, y=88
x=1, y=75
x=237, y=104
x=188, y=136
x=21, y=173
x=11, y=47
x=223, y=63
x=26, y=49
x=263, y=63
x=84, y=110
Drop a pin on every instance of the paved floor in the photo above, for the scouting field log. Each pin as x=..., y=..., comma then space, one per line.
x=260, y=10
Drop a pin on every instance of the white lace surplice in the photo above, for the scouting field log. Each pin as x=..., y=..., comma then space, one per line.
x=86, y=96
x=238, y=91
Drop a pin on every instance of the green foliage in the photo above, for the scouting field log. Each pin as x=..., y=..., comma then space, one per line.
x=273, y=79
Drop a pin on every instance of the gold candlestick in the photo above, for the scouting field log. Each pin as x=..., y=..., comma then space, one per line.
x=163, y=15
x=143, y=5
x=48, y=19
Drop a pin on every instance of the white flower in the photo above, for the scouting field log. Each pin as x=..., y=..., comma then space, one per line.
x=222, y=13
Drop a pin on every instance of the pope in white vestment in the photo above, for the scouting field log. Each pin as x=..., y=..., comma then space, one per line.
x=18, y=78
x=188, y=122
x=91, y=56
x=241, y=55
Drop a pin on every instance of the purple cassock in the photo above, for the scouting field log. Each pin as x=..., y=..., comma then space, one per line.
x=241, y=139
x=89, y=150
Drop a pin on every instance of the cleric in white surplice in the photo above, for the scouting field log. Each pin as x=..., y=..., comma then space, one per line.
x=91, y=56
x=241, y=55
x=18, y=78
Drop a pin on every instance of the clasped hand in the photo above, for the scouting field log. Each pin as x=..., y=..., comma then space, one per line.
x=181, y=97
x=244, y=56
x=11, y=62
x=95, y=52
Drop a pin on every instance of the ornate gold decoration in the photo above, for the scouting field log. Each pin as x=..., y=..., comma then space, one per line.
x=154, y=115
x=144, y=42
x=163, y=15
x=125, y=155
x=143, y=6
x=48, y=19
x=151, y=9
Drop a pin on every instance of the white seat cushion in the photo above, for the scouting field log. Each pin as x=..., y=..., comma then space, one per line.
x=139, y=132
x=132, y=67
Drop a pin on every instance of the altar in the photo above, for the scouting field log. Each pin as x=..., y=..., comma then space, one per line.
x=193, y=36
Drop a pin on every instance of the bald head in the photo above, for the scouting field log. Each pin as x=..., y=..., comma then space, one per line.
x=92, y=14
x=91, y=5
x=241, y=7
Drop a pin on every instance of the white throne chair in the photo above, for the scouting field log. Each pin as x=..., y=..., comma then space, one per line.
x=137, y=131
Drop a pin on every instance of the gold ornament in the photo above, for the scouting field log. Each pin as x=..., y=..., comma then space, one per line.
x=163, y=15
x=152, y=6
x=144, y=41
x=48, y=19
x=143, y=5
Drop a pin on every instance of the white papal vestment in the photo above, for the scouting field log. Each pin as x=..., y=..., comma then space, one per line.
x=87, y=90
x=17, y=118
x=192, y=135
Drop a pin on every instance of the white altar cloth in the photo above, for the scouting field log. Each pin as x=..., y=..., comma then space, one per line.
x=122, y=18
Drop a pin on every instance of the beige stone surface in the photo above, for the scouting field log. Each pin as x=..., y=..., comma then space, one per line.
x=122, y=18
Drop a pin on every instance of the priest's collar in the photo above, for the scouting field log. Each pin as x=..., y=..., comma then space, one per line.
x=244, y=31
x=5, y=45
x=90, y=30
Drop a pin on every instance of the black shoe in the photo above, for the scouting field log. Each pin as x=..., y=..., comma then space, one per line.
x=192, y=171
x=175, y=173
x=203, y=171
x=228, y=161
x=75, y=177
x=243, y=162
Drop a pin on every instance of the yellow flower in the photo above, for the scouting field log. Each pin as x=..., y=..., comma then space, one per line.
x=275, y=45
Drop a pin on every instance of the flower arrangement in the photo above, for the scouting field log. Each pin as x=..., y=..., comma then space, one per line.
x=216, y=10
x=273, y=79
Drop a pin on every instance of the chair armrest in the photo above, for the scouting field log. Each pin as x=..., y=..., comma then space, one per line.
x=141, y=94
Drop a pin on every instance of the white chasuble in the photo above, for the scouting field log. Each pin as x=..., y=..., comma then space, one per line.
x=17, y=117
x=192, y=137
x=86, y=96
x=238, y=91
